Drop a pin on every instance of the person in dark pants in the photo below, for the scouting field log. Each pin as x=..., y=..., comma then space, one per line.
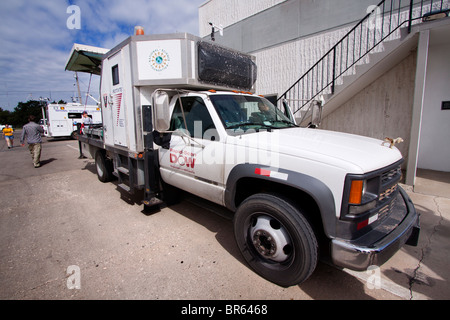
x=80, y=148
x=33, y=133
x=86, y=123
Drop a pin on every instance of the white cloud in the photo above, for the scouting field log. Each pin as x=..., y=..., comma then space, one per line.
x=35, y=41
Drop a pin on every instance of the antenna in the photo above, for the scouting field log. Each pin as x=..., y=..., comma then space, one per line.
x=213, y=27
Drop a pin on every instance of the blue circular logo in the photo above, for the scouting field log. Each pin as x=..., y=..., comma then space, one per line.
x=159, y=60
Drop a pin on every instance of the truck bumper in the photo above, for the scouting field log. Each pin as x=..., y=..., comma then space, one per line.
x=357, y=255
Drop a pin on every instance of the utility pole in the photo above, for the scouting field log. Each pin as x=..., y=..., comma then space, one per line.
x=78, y=86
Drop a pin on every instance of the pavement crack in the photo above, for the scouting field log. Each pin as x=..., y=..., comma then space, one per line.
x=415, y=277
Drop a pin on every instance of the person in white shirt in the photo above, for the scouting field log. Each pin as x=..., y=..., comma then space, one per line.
x=87, y=121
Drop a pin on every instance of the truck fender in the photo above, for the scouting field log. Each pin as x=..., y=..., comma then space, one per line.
x=313, y=187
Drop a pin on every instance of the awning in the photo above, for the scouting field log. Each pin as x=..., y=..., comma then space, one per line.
x=85, y=58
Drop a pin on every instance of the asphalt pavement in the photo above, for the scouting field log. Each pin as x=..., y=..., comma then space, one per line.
x=64, y=235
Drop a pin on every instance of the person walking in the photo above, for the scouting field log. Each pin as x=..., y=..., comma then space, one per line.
x=33, y=133
x=8, y=134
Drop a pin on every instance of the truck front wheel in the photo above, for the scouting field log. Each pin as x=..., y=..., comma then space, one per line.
x=276, y=239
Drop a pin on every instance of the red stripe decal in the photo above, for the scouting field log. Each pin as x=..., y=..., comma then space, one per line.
x=262, y=172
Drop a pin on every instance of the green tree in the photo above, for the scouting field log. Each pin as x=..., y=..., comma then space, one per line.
x=20, y=115
x=5, y=116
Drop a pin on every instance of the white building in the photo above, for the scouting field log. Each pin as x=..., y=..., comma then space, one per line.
x=401, y=88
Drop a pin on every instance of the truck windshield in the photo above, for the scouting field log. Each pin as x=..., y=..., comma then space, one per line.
x=242, y=113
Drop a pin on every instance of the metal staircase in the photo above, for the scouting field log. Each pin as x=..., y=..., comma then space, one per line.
x=377, y=35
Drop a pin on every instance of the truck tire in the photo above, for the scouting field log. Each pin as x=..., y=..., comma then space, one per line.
x=276, y=239
x=104, y=167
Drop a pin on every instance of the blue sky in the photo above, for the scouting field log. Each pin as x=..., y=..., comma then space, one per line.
x=35, y=40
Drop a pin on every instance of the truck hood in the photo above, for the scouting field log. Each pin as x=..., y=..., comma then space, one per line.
x=354, y=153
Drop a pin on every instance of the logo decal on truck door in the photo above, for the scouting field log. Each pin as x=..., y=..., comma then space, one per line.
x=183, y=160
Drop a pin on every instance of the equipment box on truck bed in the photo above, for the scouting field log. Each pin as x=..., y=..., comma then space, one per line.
x=139, y=65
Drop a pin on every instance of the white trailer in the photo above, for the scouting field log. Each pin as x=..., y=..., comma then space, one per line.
x=179, y=113
x=61, y=120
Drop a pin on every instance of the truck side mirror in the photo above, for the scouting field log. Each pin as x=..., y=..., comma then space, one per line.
x=316, y=116
x=161, y=111
x=287, y=111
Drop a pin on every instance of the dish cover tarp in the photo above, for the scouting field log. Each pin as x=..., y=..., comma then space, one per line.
x=85, y=58
x=223, y=66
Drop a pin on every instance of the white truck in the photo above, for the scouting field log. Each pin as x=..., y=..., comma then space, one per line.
x=61, y=120
x=179, y=113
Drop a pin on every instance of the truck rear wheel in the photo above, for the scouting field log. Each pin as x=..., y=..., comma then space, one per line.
x=276, y=239
x=104, y=167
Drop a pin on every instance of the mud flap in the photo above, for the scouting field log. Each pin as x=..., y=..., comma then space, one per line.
x=413, y=239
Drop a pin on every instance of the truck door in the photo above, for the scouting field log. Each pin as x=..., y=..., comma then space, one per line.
x=194, y=159
x=113, y=91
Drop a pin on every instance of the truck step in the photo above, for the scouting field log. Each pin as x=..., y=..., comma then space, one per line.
x=152, y=202
x=124, y=187
x=123, y=170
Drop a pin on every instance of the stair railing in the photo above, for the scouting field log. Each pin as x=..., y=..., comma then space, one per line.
x=382, y=21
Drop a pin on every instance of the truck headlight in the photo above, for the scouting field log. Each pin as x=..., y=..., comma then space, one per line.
x=357, y=188
x=360, y=196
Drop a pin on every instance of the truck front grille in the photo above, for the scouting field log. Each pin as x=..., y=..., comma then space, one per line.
x=389, y=191
x=387, y=208
x=391, y=176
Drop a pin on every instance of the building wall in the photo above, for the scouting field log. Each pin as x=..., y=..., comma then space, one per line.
x=434, y=143
x=229, y=12
x=383, y=109
x=254, y=25
x=279, y=67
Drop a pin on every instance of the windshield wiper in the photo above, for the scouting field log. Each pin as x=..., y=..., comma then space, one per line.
x=285, y=121
x=243, y=124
